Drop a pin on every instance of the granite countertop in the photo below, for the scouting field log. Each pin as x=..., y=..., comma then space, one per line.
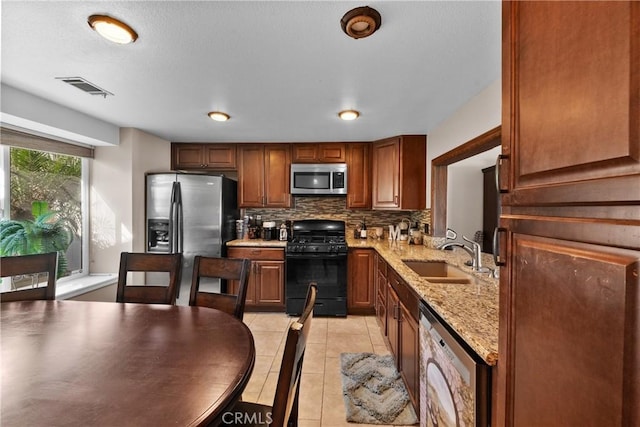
x=259, y=243
x=470, y=309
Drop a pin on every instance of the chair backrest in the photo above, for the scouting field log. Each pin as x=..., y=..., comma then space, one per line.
x=285, y=403
x=224, y=269
x=146, y=262
x=26, y=265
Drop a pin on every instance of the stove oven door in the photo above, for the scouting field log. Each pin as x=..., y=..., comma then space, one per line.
x=328, y=272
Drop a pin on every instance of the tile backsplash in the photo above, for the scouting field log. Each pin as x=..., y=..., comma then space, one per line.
x=309, y=207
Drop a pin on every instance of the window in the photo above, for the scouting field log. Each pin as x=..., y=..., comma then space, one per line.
x=44, y=205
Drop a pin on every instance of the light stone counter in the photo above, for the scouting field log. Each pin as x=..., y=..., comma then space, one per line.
x=257, y=243
x=470, y=309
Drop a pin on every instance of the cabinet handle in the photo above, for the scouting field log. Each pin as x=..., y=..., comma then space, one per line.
x=499, y=160
x=496, y=246
x=395, y=200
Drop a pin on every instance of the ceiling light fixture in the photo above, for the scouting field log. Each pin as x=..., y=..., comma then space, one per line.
x=361, y=22
x=349, y=114
x=219, y=116
x=112, y=29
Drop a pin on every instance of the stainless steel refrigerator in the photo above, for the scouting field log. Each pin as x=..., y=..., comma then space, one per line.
x=192, y=214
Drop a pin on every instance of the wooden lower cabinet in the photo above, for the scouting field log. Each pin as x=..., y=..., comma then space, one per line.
x=381, y=293
x=393, y=331
x=409, y=359
x=360, y=283
x=266, y=278
x=402, y=333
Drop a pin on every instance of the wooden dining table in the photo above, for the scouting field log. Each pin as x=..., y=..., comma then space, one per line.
x=109, y=364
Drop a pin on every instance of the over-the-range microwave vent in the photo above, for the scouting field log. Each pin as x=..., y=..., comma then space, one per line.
x=85, y=86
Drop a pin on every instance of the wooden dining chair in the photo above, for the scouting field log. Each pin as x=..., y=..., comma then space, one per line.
x=284, y=411
x=224, y=269
x=148, y=263
x=30, y=265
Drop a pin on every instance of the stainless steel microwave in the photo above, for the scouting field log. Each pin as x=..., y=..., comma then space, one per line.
x=319, y=179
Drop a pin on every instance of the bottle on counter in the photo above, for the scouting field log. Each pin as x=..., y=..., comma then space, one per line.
x=357, y=231
x=363, y=230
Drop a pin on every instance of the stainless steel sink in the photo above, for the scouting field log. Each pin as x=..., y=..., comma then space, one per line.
x=438, y=271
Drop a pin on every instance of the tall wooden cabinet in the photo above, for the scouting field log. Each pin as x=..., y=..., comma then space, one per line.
x=399, y=172
x=569, y=289
x=358, y=175
x=263, y=175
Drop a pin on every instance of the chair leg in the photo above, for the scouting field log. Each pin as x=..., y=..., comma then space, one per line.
x=293, y=418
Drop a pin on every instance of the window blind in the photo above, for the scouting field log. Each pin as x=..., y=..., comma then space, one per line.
x=16, y=138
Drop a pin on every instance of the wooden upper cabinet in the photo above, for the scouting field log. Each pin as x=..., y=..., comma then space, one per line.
x=571, y=128
x=205, y=156
x=263, y=175
x=328, y=152
x=399, y=172
x=358, y=175
x=277, y=177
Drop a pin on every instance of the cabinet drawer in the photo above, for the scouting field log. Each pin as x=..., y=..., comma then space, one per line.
x=405, y=294
x=256, y=253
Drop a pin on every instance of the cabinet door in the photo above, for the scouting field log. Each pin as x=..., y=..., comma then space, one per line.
x=381, y=293
x=409, y=354
x=250, y=176
x=277, y=165
x=269, y=283
x=393, y=323
x=304, y=153
x=358, y=176
x=330, y=152
x=568, y=316
x=571, y=109
x=186, y=156
x=360, y=286
x=386, y=174
x=220, y=156
x=234, y=286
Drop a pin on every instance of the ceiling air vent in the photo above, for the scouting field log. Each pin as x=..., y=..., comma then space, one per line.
x=84, y=86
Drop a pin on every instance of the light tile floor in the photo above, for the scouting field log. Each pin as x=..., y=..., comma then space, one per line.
x=321, y=403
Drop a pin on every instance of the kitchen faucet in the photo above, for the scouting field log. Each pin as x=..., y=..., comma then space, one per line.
x=474, y=251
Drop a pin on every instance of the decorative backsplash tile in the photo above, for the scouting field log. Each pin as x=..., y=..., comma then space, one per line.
x=309, y=207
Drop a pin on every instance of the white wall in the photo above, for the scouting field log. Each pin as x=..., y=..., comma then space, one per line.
x=480, y=114
x=117, y=196
x=21, y=110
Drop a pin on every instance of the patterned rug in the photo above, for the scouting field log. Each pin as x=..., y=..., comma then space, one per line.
x=373, y=390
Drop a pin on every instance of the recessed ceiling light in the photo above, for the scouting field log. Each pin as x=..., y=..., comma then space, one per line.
x=348, y=114
x=112, y=29
x=219, y=116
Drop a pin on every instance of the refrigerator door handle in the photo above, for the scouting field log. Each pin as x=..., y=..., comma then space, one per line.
x=172, y=219
x=180, y=219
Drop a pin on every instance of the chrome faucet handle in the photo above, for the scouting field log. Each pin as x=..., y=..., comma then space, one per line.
x=477, y=250
x=451, y=235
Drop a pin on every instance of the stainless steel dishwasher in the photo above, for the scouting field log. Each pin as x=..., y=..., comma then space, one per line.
x=454, y=381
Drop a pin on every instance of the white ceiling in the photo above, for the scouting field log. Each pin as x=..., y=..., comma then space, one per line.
x=281, y=69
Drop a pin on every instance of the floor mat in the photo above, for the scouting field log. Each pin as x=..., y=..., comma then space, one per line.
x=373, y=391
